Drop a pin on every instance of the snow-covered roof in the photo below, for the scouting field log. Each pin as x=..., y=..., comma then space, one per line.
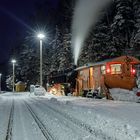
x=93, y=64
x=20, y=83
x=116, y=59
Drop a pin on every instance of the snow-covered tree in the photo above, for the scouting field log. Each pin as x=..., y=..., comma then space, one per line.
x=9, y=82
x=136, y=34
x=61, y=50
x=28, y=65
x=66, y=53
x=123, y=24
x=56, y=47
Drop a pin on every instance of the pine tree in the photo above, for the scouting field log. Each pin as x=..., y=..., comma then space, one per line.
x=136, y=34
x=61, y=50
x=56, y=50
x=28, y=65
x=65, y=53
x=123, y=24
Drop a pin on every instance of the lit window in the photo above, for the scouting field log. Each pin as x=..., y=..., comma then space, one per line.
x=103, y=70
x=116, y=69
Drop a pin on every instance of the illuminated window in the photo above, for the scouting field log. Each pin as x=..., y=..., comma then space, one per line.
x=116, y=69
x=103, y=70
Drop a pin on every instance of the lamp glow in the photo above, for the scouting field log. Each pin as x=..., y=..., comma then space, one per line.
x=41, y=36
x=13, y=61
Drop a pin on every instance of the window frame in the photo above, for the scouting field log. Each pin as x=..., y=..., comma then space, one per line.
x=115, y=72
x=103, y=69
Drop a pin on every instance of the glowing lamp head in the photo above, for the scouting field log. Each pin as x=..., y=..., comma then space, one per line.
x=41, y=36
x=13, y=61
x=0, y=74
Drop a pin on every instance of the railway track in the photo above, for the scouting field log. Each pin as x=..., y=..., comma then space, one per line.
x=80, y=124
x=42, y=127
x=10, y=123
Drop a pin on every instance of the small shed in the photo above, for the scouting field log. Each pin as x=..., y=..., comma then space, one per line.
x=20, y=86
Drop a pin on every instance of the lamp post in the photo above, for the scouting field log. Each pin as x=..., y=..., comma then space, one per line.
x=0, y=82
x=41, y=37
x=13, y=62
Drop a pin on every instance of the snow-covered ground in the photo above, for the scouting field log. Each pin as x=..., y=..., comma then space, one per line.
x=27, y=117
x=125, y=95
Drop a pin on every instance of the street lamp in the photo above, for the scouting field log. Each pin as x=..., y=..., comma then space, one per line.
x=0, y=82
x=13, y=61
x=41, y=36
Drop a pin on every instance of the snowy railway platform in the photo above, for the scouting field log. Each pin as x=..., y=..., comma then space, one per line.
x=50, y=117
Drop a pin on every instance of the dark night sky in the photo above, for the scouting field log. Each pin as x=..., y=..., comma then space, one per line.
x=13, y=15
x=9, y=9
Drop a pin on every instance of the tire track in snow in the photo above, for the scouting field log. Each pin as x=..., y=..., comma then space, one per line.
x=42, y=127
x=10, y=123
x=93, y=131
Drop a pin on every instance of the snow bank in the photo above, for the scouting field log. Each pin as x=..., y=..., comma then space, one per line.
x=124, y=95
